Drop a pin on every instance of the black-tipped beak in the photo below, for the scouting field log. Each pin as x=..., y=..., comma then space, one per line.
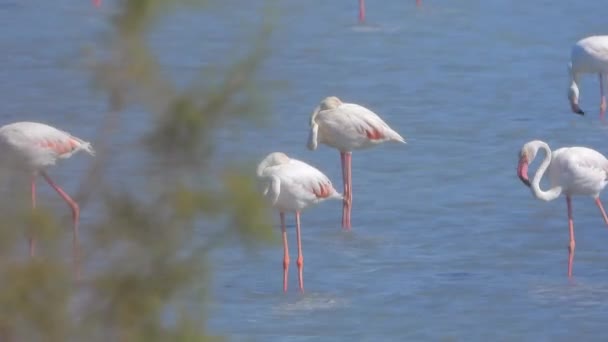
x=576, y=109
x=525, y=181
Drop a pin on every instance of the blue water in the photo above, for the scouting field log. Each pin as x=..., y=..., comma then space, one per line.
x=447, y=244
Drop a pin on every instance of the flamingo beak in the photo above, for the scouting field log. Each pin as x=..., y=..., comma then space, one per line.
x=576, y=109
x=522, y=170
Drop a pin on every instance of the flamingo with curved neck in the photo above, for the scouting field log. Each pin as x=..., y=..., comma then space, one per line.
x=572, y=171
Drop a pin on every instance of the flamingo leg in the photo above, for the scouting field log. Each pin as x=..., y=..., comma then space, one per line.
x=418, y=2
x=75, y=216
x=599, y=205
x=361, y=11
x=346, y=178
x=603, y=96
x=345, y=183
x=32, y=242
x=300, y=261
x=285, y=252
x=350, y=188
x=572, y=244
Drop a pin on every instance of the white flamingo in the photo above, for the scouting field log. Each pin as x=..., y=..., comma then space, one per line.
x=347, y=127
x=33, y=147
x=572, y=171
x=291, y=186
x=589, y=55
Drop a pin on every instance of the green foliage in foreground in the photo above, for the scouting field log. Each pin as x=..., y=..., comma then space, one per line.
x=146, y=252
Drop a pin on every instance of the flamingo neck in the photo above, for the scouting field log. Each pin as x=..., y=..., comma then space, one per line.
x=574, y=78
x=361, y=11
x=555, y=191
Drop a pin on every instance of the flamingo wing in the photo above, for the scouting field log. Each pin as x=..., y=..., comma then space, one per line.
x=367, y=123
x=312, y=180
x=581, y=170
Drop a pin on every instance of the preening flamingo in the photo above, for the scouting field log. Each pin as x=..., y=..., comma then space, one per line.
x=347, y=127
x=291, y=186
x=33, y=147
x=572, y=171
x=589, y=55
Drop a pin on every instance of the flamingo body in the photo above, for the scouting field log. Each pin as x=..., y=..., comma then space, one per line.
x=573, y=171
x=589, y=56
x=292, y=186
x=37, y=146
x=33, y=147
x=578, y=171
x=347, y=127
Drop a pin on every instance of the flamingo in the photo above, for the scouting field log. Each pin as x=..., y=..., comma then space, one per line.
x=589, y=55
x=33, y=147
x=362, y=10
x=347, y=127
x=291, y=186
x=572, y=171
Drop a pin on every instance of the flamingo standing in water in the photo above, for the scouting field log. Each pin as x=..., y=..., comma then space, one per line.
x=347, y=127
x=589, y=55
x=362, y=10
x=572, y=171
x=291, y=186
x=33, y=147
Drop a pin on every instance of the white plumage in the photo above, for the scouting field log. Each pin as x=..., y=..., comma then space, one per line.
x=589, y=55
x=572, y=171
x=39, y=145
x=32, y=147
x=291, y=186
x=347, y=127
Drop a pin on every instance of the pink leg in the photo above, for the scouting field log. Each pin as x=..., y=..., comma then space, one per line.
x=346, y=158
x=345, y=193
x=603, y=98
x=285, y=253
x=75, y=217
x=349, y=182
x=572, y=244
x=418, y=2
x=361, y=11
x=300, y=261
x=599, y=205
x=31, y=238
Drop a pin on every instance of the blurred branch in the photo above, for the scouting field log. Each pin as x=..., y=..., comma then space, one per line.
x=151, y=259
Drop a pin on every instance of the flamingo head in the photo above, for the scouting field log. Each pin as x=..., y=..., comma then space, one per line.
x=573, y=98
x=527, y=154
x=522, y=171
x=273, y=159
x=330, y=102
